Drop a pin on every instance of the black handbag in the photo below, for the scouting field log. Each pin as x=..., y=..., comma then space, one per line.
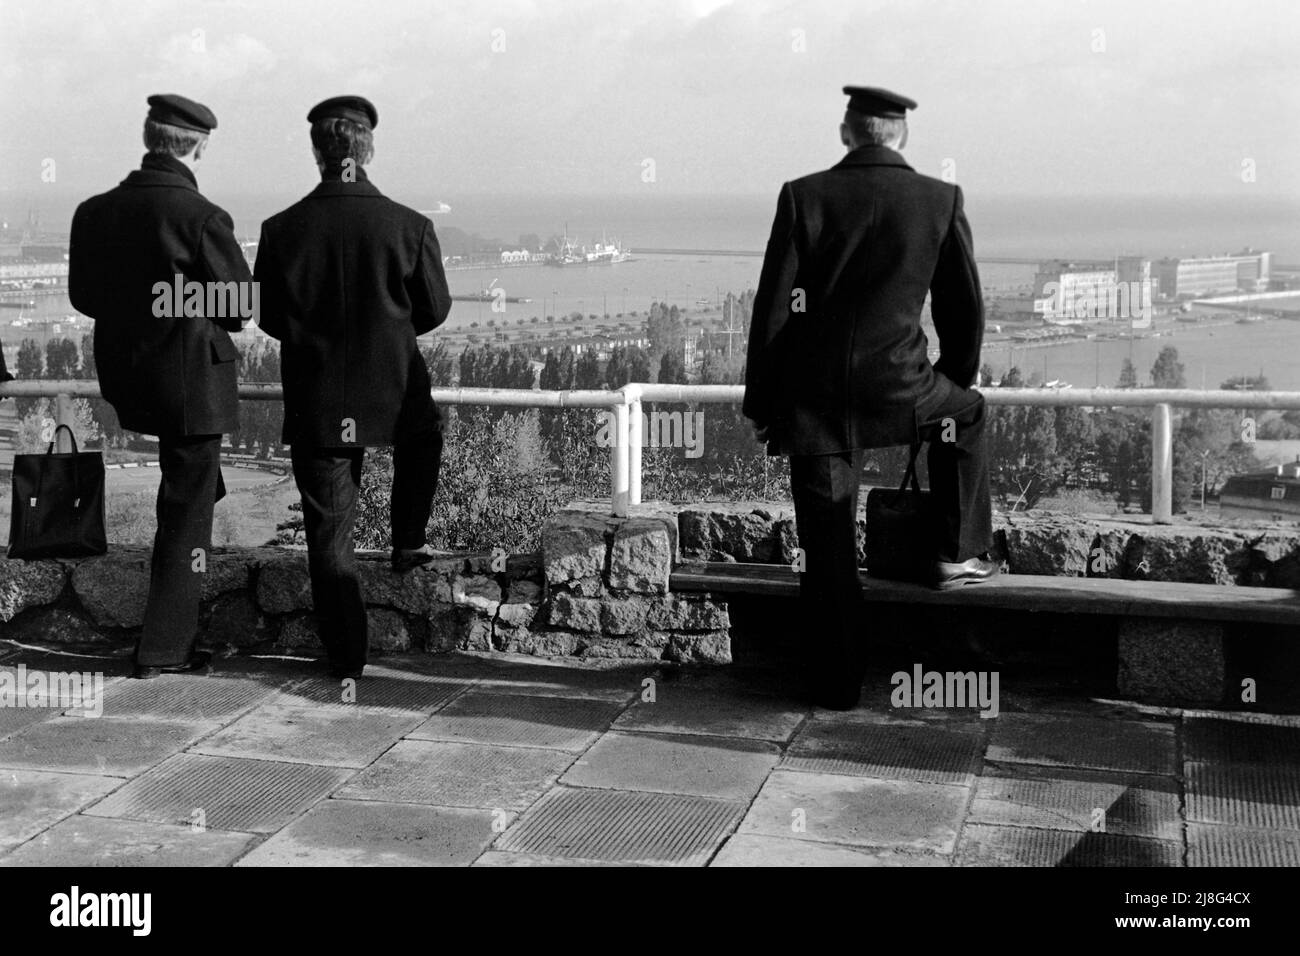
x=58, y=504
x=900, y=529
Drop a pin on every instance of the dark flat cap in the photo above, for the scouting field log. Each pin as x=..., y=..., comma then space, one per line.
x=358, y=109
x=176, y=110
x=873, y=101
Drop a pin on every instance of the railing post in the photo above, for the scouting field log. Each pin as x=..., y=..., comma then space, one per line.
x=618, y=463
x=65, y=413
x=1162, y=464
x=635, y=439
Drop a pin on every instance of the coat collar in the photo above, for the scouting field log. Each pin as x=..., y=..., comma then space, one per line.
x=873, y=156
x=159, y=170
x=332, y=185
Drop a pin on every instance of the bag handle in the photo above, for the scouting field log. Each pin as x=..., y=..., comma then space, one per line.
x=909, y=476
x=72, y=436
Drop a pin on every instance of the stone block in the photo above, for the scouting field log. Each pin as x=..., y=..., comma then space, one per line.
x=524, y=592
x=56, y=625
x=1175, y=661
x=481, y=592
x=623, y=615
x=229, y=570
x=574, y=613
x=641, y=556
x=415, y=591
x=711, y=648
x=574, y=545
x=394, y=631
x=678, y=613
x=235, y=619
x=542, y=643
x=113, y=589
x=25, y=584
x=283, y=584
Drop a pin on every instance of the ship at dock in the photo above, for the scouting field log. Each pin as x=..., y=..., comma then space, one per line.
x=600, y=253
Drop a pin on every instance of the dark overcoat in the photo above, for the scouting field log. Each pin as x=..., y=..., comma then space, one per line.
x=165, y=375
x=348, y=279
x=837, y=357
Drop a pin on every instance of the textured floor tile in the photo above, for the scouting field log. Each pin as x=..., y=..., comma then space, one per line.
x=659, y=763
x=332, y=736
x=622, y=827
x=746, y=849
x=1235, y=741
x=256, y=796
x=84, y=841
x=31, y=800
x=178, y=697
x=419, y=693
x=862, y=811
x=1248, y=795
x=692, y=709
x=1064, y=799
x=458, y=775
x=1090, y=742
x=498, y=858
x=1017, y=846
x=925, y=751
x=14, y=719
x=118, y=746
x=1211, y=845
x=368, y=833
x=618, y=684
x=559, y=723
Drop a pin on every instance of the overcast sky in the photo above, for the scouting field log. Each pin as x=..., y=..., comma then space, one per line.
x=1057, y=97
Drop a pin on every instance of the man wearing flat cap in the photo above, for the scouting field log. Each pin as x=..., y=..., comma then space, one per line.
x=170, y=375
x=348, y=280
x=837, y=364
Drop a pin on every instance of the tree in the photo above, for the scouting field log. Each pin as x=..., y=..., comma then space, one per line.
x=28, y=366
x=1128, y=376
x=1013, y=378
x=61, y=359
x=1168, y=372
x=1255, y=383
x=588, y=372
x=672, y=371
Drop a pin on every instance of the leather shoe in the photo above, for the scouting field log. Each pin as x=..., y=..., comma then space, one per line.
x=955, y=574
x=408, y=559
x=197, y=661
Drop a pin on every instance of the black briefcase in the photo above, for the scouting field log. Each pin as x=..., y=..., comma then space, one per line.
x=900, y=529
x=58, y=504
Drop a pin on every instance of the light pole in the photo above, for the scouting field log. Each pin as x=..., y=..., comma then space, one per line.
x=1205, y=459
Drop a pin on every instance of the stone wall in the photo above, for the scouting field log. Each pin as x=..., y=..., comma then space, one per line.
x=1038, y=543
x=600, y=589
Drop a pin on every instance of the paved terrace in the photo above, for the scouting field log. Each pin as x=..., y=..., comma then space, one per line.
x=500, y=760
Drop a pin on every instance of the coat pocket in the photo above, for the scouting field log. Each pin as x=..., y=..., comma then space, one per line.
x=223, y=350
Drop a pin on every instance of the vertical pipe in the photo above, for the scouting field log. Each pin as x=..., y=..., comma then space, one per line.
x=1162, y=464
x=634, y=432
x=618, y=463
x=64, y=414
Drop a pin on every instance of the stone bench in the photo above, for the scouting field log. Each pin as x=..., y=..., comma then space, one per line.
x=1171, y=634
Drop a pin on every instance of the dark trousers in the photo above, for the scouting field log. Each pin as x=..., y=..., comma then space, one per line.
x=328, y=480
x=190, y=485
x=825, y=492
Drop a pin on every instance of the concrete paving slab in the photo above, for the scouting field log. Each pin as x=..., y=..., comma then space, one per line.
x=418, y=693
x=1219, y=740
x=372, y=833
x=111, y=665
x=736, y=679
x=185, y=697
x=458, y=775
x=745, y=849
x=619, y=684
x=85, y=841
x=498, y=858
x=14, y=719
x=31, y=800
x=861, y=811
x=1066, y=799
x=1142, y=746
x=116, y=746
x=329, y=736
x=618, y=826
x=1018, y=846
x=1247, y=795
x=724, y=767
x=889, y=747
x=1213, y=845
x=555, y=723
x=254, y=796
x=696, y=708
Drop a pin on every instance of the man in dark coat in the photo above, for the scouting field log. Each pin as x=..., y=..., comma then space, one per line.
x=163, y=354
x=348, y=280
x=837, y=364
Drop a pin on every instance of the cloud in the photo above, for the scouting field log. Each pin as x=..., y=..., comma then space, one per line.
x=200, y=56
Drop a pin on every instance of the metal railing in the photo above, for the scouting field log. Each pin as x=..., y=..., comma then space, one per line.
x=625, y=451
